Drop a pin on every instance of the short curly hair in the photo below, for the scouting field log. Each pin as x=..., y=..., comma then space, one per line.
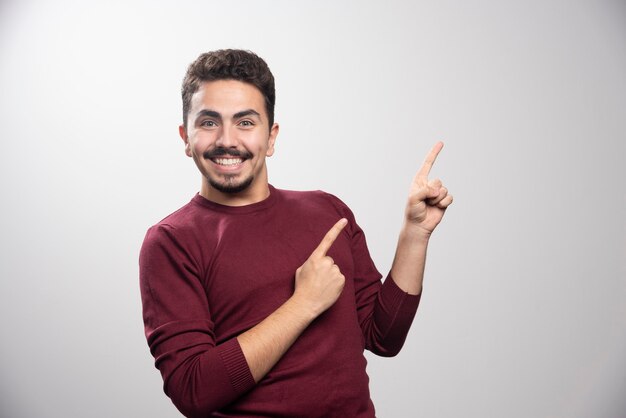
x=229, y=64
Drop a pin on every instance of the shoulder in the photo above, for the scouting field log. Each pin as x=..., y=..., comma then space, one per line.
x=316, y=206
x=314, y=199
x=189, y=217
x=182, y=225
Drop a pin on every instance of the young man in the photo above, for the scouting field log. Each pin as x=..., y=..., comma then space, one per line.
x=259, y=301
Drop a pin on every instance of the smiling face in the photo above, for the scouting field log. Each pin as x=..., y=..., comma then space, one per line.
x=228, y=137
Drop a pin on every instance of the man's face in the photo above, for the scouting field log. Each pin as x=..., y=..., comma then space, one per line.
x=228, y=137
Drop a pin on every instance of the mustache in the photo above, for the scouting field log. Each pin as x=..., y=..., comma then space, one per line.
x=220, y=152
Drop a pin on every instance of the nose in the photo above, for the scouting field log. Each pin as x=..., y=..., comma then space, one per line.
x=227, y=138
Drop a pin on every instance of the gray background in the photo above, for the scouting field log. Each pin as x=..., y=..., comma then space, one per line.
x=524, y=308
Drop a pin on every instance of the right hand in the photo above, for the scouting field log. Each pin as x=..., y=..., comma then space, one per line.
x=319, y=281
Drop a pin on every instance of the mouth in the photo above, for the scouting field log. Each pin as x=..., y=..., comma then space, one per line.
x=227, y=162
x=227, y=158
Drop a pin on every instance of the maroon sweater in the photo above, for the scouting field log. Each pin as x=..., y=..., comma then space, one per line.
x=210, y=272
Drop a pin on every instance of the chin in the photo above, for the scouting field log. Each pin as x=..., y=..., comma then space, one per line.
x=231, y=187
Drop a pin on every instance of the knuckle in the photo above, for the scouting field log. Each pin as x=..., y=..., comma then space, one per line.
x=342, y=281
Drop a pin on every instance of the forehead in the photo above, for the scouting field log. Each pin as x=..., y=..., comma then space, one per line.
x=227, y=96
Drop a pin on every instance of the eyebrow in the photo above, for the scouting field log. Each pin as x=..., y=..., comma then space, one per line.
x=209, y=113
x=213, y=114
x=244, y=113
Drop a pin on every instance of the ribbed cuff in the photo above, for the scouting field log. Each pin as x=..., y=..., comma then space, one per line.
x=395, y=298
x=236, y=366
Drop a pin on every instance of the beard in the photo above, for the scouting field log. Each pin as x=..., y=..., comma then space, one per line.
x=230, y=184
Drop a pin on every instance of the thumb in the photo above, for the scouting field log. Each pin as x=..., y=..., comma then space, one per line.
x=426, y=192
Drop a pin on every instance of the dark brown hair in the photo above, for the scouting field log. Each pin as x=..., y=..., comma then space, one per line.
x=229, y=64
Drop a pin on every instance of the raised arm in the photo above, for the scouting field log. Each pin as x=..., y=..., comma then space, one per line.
x=426, y=205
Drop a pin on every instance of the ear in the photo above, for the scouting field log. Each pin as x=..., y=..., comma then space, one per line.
x=272, y=140
x=183, y=134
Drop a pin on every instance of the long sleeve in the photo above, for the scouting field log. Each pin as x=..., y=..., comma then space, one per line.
x=386, y=327
x=385, y=312
x=200, y=376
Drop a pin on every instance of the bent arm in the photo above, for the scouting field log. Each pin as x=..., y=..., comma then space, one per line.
x=199, y=375
x=385, y=311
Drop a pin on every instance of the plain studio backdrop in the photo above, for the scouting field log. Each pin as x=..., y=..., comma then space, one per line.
x=524, y=305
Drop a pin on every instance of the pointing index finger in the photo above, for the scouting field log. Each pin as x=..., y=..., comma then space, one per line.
x=430, y=160
x=330, y=238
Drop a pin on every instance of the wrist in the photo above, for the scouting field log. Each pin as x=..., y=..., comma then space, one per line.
x=300, y=309
x=415, y=233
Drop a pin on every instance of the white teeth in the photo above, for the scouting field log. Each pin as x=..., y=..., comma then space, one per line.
x=228, y=161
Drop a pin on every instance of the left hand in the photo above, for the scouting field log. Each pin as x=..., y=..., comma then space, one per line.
x=428, y=200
